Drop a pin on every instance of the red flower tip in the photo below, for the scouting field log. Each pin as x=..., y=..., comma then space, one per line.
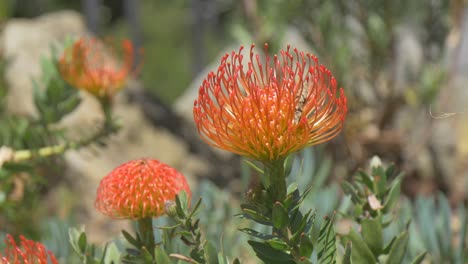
x=28, y=252
x=93, y=66
x=139, y=189
x=268, y=109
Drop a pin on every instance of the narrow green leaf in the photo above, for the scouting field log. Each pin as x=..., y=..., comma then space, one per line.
x=210, y=253
x=130, y=239
x=161, y=256
x=393, y=195
x=390, y=170
x=302, y=198
x=256, y=234
x=361, y=253
x=445, y=231
x=277, y=243
x=326, y=242
x=82, y=243
x=419, y=258
x=73, y=236
x=180, y=206
x=306, y=246
x=398, y=250
x=253, y=166
x=270, y=255
x=349, y=189
x=279, y=215
x=372, y=234
x=347, y=254
x=298, y=226
x=195, y=209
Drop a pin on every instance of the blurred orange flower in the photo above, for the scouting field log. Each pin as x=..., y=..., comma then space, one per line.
x=139, y=189
x=268, y=108
x=28, y=252
x=93, y=66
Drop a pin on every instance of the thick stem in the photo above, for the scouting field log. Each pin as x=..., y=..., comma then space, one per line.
x=145, y=230
x=274, y=171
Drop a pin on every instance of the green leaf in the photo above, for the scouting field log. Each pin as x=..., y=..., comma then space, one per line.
x=306, y=246
x=210, y=253
x=380, y=181
x=361, y=253
x=327, y=242
x=300, y=222
x=390, y=171
x=277, y=243
x=256, y=234
x=251, y=212
x=253, y=166
x=82, y=243
x=160, y=255
x=280, y=216
x=393, y=195
x=195, y=209
x=73, y=236
x=419, y=258
x=112, y=254
x=130, y=239
x=398, y=250
x=349, y=189
x=302, y=198
x=372, y=234
x=181, y=206
x=366, y=179
x=445, y=231
x=347, y=254
x=270, y=255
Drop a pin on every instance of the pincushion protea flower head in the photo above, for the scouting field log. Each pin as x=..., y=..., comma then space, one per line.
x=92, y=65
x=28, y=252
x=268, y=108
x=139, y=189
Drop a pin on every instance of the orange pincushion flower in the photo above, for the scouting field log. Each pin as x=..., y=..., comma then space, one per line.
x=28, y=252
x=92, y=66
x=139, y=189
x=268, y=110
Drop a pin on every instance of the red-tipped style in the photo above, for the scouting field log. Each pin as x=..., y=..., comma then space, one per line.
x=266, y=108
x=100, y=68
x=139, y=189
x=27, y=252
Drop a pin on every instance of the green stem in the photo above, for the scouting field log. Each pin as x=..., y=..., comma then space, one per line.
x=26, y=154
x=108, y=128
x=274, y=171
x=145, y=230
x=276, y=176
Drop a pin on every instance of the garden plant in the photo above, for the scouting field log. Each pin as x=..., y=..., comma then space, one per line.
x=273, y=110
